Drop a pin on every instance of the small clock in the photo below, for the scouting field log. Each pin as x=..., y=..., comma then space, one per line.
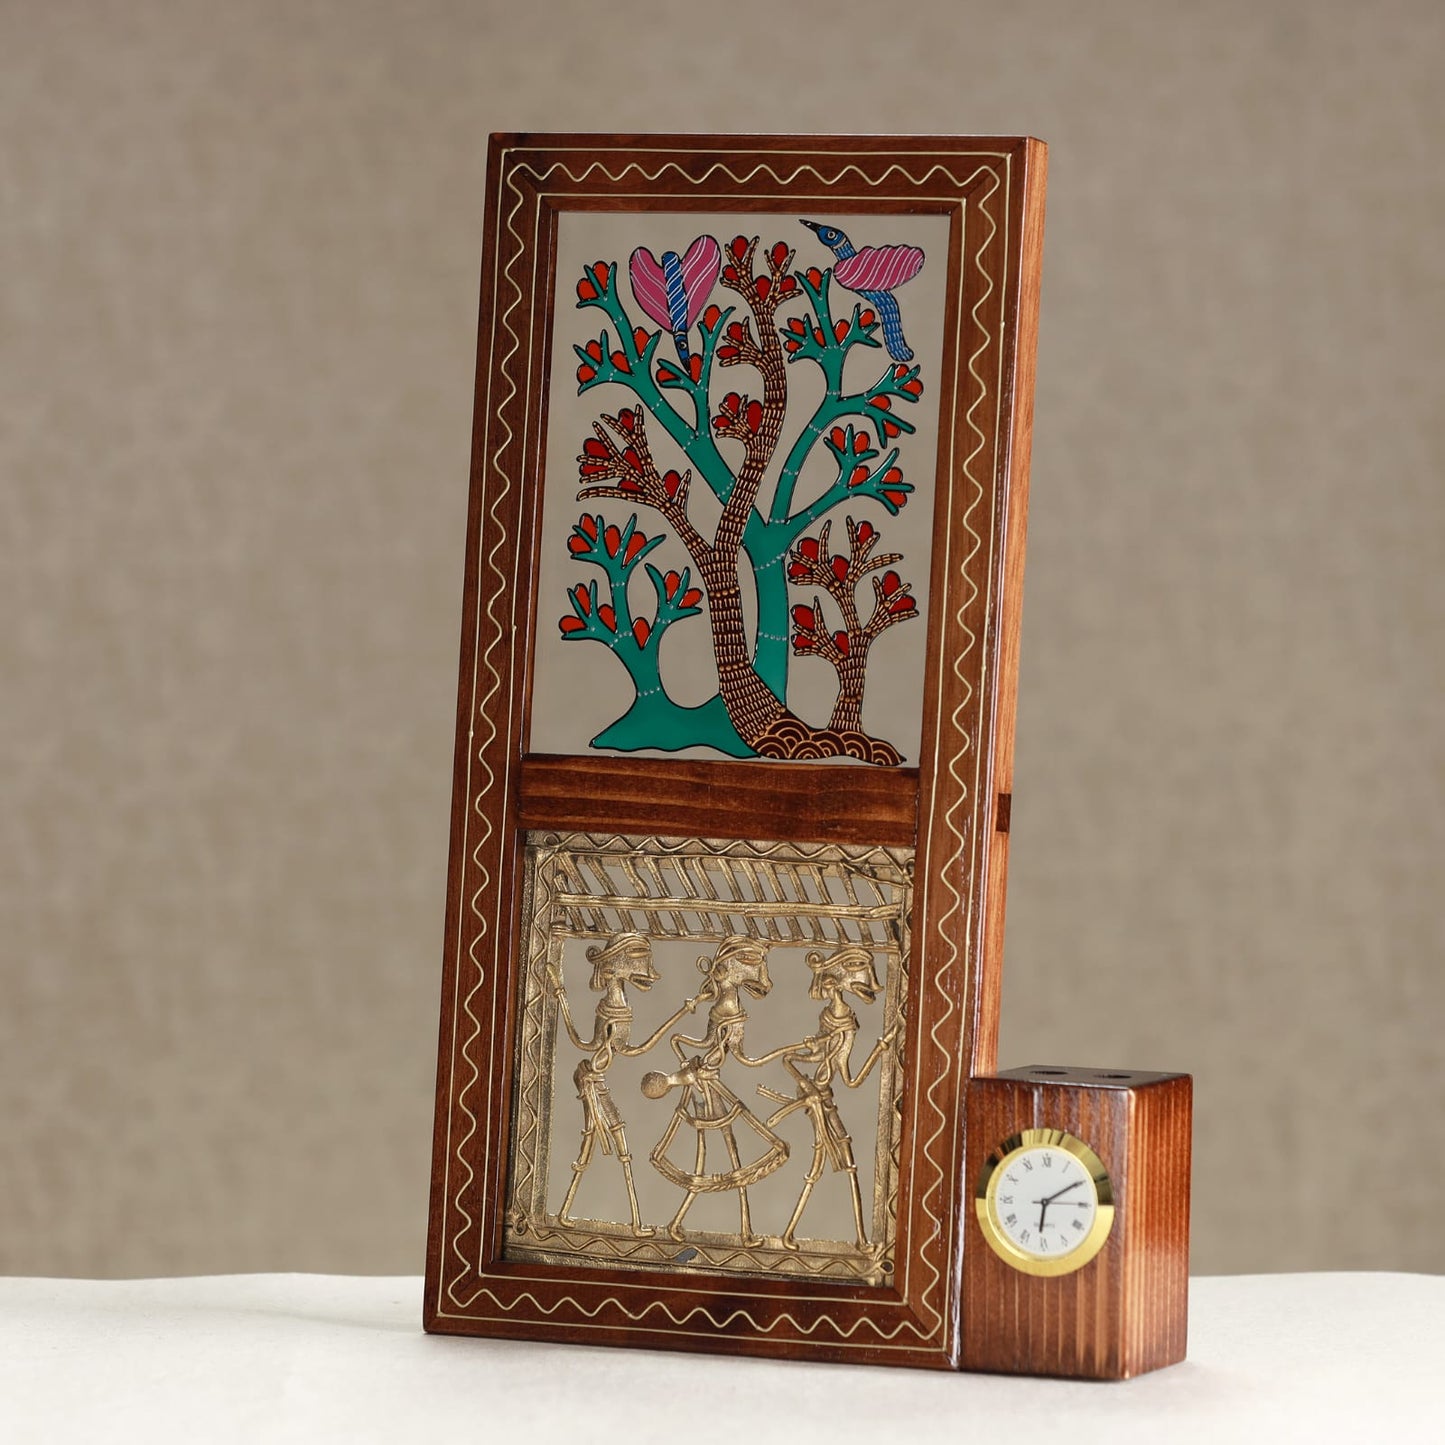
x=1076, y=1255
x=1045, y=1202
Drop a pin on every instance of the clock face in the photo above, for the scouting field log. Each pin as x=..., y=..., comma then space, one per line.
x=1045, y=1202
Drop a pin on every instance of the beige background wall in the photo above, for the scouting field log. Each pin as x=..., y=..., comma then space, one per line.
x=238, y=261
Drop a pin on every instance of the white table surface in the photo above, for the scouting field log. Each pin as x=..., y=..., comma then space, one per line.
x=320, y=1358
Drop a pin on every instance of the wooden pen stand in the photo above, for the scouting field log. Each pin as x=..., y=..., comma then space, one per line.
x=1028, y=1308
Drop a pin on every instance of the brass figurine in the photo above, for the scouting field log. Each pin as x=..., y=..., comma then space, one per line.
x=835, y=920
x=624, y=959
x=826, y=1054
x=706, y=1104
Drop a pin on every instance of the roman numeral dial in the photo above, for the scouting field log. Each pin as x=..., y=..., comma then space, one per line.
x=1044, y=1202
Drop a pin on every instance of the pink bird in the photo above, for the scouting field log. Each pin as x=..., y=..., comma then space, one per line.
x=874, y=273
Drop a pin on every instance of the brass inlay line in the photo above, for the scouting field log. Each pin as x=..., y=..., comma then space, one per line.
x=881, y=1333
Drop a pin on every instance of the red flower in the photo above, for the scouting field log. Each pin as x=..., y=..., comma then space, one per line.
x=690, y=598
x=840, y=641
x=594, y=281
x=670, y=584
x=754, y=416
x=897, y=498
x=572, y=624
x=913, y=387
x=815, y=277
x=635, y=544
x=866, y=317
x=580, y=597
x=589, y=526
x=739, y=246
x=607, y=617
x=710, y=317
x=779, y=254
x=730, y=409
x=902, y=607
x=838, y=438
x=670, y=483
x=866, y=533
x=764, y=286
x=860, y=475
x=808, y=547
x=891, y=583
x=627, y=419
x=840, y=329
x=840, y=568
x=801, y=640
x=641, y=631
x=804, y=617
x=578, y=545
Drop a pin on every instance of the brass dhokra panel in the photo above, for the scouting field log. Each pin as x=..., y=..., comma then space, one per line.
x=709, y=1073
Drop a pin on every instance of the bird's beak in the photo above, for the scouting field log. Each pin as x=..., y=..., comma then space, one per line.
x=811, y=225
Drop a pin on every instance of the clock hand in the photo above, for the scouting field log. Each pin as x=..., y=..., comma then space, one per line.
x=1058, y=1192
x=1044, y=1203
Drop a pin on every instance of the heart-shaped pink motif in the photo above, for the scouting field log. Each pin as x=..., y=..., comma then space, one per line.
x=697, y=272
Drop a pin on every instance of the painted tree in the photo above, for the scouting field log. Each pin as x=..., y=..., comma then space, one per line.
x=735, y=448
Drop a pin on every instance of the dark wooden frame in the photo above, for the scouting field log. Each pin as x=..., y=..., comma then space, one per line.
x=953, y=808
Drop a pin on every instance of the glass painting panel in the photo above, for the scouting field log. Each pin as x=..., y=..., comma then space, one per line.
x=737, y=508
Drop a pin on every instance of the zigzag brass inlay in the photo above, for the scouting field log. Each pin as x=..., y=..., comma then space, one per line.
x=467, y=1285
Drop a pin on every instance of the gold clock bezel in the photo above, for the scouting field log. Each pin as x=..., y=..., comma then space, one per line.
x=986, y=1203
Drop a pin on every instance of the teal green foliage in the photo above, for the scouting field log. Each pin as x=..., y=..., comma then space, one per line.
x=625, y=355
x=658, y=722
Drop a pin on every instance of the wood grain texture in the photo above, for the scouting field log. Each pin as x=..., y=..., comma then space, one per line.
x=1014, y=484
x=991, y=189
x=812, y=802
x=1126, y=1311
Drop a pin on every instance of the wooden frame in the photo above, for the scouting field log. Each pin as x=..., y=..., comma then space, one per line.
x=950, y=805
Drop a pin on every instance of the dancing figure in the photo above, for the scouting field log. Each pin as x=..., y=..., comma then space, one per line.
x=623, y=960
x=705, y=1103
x=817, y=1061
